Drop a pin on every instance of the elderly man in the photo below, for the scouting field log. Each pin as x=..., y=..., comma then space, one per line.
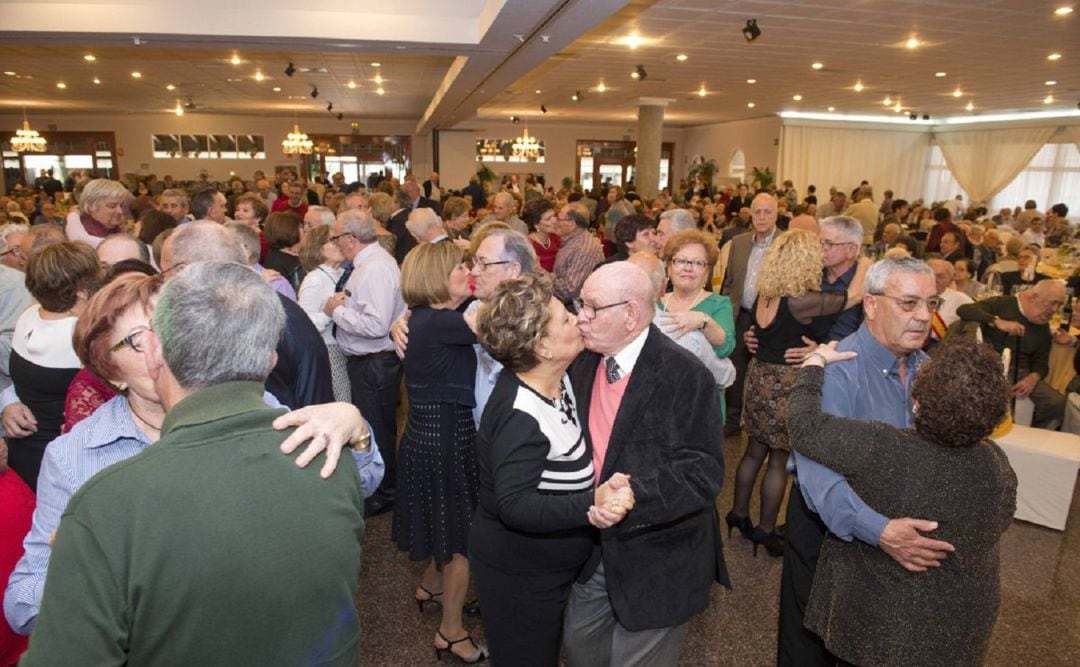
x=301, y=376
x=48, y=214
x=431, y=187
x=210, y=345
x=740, y=285
x=1021, y=323
x=985, y=253
x=671, y=222
x=362, y=314
x=579, y=252
x=653, y=412
x=11, y=251
x=249, y=241
x=14, y=299
x=865, y=211
x=175, y=203
x=316, y=216
x=950, y=246
x=951, y=299
x=209, y=204
x=835, y=206
x=503, y=209
x=118, y=247
x=942, y=224
x=409, y=199
x=293, y=198
x=876, y=385
x=426, y=226
x=263, y=189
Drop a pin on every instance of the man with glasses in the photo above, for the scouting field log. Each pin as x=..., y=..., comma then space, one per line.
x=579, y=251
x=901, y=297
x=13, y=255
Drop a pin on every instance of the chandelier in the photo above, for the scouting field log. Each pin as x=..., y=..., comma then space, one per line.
x=27, y=140
x=526, y=147
x=297, y=143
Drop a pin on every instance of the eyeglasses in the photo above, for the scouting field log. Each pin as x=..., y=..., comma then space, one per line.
x=129, y=340
x=828, y=245
x=335, y=238
x=591, y=311
x=14, y=250
x=174, y=267
x=910, y=304
x=683, y=262
x=483, y=265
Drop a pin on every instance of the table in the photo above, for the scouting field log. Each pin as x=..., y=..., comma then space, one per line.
x=1046, y=465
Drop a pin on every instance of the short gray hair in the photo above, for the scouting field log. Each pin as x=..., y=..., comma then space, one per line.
x=326, y=216
x=249, y=240
x=680, y=218
x=218, y=322
x=100, y=189
x=360, y=224
x=205, y=242
x=849, y=228
x=141, y=249
x=8, y=230
x=176, y=192
x=421, y=220
x=352, y=200
x=885, y=268
x=517, y=248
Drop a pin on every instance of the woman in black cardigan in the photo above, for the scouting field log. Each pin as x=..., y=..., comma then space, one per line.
x=868, y=610
x=533, y=529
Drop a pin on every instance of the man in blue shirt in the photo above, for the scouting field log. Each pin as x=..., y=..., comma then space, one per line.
x=900, y=298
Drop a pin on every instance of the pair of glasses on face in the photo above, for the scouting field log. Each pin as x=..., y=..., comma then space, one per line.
x=131, y=340
x=483, y=265
x=683, y=263
x=14, y=250
x=590, y=311
x=910, y=304
x=828, y=245
x=332, y=239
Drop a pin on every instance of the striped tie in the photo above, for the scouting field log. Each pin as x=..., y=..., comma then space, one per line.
x=612, y=370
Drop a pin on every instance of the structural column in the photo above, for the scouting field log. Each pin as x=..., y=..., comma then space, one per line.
x=649, y=137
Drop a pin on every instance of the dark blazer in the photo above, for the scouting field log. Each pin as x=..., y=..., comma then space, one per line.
x=405, y=240
x=1011, y=279
x=1031, y=353
x=301, y=376
x=731, y=232
x=668, y=436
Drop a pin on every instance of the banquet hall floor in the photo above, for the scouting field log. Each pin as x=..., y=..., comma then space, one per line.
x=1039, y=621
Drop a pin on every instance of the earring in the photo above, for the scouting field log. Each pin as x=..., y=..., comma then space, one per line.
x=121, y=387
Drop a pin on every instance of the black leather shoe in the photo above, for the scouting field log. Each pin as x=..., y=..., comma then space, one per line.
x=376, y=505
x=732, y=429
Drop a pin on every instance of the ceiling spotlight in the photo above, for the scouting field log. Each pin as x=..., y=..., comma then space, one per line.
x=751, y=81
x=1049, y=99
x=1054, y=56
x=537, y=91
x=314, y=92
x=89, y=57
x=515, y=120
x=235, y=59
x=577, y=96
x=751, y=31
x=543, y=109
x=259, y=75
x=831, y=109
x=179, y=110
x=277, y=89
x=380, y=91
x=170, y=87
x=352, y=84
x=9, y=73
x=957, y=92
x=601, y=88
x=376, y=64
x=330, y=106
x=898, y=108
x=136, y=75
x=340, y=116
x=61, y=85
x=926, y=116
x=858, y=87
x=817, y=66
x=97, y=81
x=378, y=78
x=641, y=73
x=1050, y=83
x=681, y=57
x=912, y=43
x=939, y=74
x=797, y=97
x=1063, y=11
x=701, y=91
x=290, y=70
x=887, y=101
x=750, y=105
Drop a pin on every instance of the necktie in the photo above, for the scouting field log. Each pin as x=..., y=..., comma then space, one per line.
x=612, y=370
x=339, y=287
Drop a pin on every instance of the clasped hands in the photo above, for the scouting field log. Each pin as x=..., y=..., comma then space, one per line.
x=612, y=500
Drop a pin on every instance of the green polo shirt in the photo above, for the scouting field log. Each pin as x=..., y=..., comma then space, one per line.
x=210, y=547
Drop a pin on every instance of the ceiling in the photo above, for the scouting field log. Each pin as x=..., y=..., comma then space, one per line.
x=444, y=64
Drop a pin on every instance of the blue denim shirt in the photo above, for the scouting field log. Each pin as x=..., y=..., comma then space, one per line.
x=867, y=387
x=849, y=320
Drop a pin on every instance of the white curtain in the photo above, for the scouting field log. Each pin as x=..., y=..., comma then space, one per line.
x=985, y=161
x=890, y=159
x=1073, y=131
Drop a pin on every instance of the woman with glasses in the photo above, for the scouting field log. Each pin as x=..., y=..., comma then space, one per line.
x=789, y=299
x=322, y=260
x=690, y=257
x=437, y=483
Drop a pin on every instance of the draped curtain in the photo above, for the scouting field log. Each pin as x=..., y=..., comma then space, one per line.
x=1074, y=133
x=890, y=159
x=985, y=161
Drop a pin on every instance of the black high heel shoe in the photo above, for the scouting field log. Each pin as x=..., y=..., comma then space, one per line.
x=743, y=523
x=773, y=543
x=421, y=603
x=480, y=655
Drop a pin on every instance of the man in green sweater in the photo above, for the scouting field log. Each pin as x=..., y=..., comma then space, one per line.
x=202, y=549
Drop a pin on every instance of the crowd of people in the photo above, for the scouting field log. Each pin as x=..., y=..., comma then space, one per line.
x=570, y=362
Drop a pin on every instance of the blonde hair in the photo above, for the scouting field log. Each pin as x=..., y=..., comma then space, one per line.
x=792, y=266
x=425, y=273
x=310, y=250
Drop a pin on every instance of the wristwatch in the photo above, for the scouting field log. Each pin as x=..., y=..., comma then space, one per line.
x=363, y=443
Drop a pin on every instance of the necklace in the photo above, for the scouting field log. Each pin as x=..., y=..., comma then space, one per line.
x=543, y=245
x=693, y=302
x=143, y=419
x=563, y=403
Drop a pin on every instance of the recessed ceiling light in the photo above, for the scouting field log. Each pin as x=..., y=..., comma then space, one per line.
x=97, y=81
x=816, y=66
x=1063, y=11
x=702, y=92
x=858, y=87
x=958, y=92
x=750, y=105
x=277, y=89
x=939, y=74
x=352, y=84
x=235, y=59
x=1049, y=99
x=601, y=88
x=832, y=108
x=378, y=78
x=170, y=87
x=681, y=57
x=89, y=57
x=635, y=75
x=898, y=108
x=9, y=73
x=1050, y=83
x=633, y=40
x=259, y=75
x=887, y=101
x=376, y=64
x=537, y=91
x=970, y=106
x=179, y=110
x=751, y=81
x=913, y=43
x=61, y=85
x=797, y=97
x=136, y=75
x=380, y=91
x=1054, y=56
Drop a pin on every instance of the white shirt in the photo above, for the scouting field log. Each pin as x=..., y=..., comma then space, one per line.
x=364, y=319
x=694, y=342
x=953, y=300
x=318, y=286
x=627, y=357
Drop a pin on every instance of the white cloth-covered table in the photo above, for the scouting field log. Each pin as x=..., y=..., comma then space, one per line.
x=1046, y=464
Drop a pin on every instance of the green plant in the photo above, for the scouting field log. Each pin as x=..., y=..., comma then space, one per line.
x=764, y=177
x=567, y=182
x=702, y=170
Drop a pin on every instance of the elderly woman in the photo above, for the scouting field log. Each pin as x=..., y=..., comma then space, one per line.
x=531, y=534
x=108, y=339
x=946, y=468
x=789, y=298
x=382, y=209
x=455, y=213
x=59, y=276
x=322, y=260
x=282, y=232
x=437, y=455
x=539, y=216
x=691, y=256
x=618, y=208
x=104, y=210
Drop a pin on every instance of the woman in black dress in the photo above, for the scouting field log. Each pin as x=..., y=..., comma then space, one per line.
x=538, y=496
x=437, y=455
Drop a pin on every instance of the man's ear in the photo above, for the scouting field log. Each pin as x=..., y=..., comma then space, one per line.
x=153, y=355
x=273, y=361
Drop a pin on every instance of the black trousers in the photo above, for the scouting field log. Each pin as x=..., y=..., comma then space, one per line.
x=523, y=614
x=805, y=533
x=376, y=379
x=740, y=358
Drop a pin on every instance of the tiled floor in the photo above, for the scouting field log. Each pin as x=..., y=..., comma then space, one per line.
x=1039, y=623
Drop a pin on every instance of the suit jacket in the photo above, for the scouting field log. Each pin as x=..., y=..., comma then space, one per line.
x=301, y=376
x=735, y=275
x=1031, y=353
x=668, y=436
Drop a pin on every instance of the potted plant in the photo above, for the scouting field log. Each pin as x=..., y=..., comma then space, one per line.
x=702, y=171
x=764, y=177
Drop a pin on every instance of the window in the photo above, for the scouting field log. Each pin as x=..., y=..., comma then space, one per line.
x=212, y=146
x=939, y=184
x=510, y=150
x=737, y=164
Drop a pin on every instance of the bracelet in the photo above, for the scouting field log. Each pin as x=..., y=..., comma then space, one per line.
x=704, y=323
x=824, y=361
x=363, y=443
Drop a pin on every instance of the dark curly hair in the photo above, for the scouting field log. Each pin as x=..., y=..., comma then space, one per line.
x=962, y=393
x=514, y=319
x=533, y=210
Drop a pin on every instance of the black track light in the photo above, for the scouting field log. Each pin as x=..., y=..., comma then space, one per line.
x=543, y=109
x=515, y=120
x=913, y=116
x=926, y=116
x=751, y=31
x=341, y=116
x=330, y=106
x=314, y=92
x=290, y=70
x=641, y=73
x=577, y=96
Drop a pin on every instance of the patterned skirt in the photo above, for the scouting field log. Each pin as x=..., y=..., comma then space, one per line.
x=339, y=373
x=765, y=410
x=436, y=482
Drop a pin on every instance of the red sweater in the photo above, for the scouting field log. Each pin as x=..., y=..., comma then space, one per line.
x=16, y=512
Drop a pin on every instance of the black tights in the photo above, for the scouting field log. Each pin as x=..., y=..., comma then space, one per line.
x=772, y=484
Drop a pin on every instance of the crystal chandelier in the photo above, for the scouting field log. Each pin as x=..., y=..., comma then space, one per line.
x=27, y=140
x=526, y=147
x=297, y=143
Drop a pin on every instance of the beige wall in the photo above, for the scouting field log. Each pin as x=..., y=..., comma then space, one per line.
x=759, y=139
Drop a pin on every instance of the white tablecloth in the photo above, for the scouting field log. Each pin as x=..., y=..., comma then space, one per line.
x=1046, y=464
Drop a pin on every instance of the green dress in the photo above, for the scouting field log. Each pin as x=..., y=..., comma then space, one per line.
x=719, y=309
